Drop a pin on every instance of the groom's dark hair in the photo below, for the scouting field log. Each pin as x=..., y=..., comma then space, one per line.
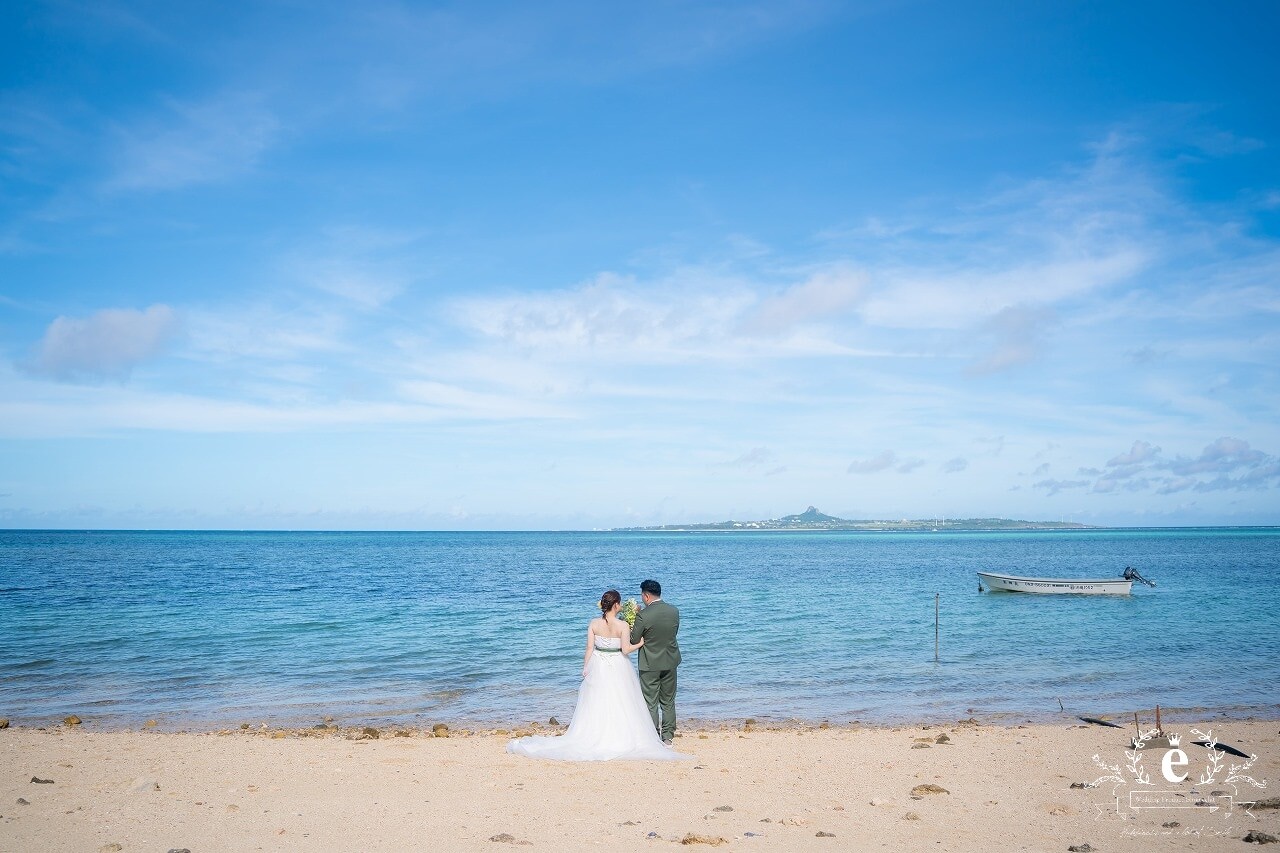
x=652, y=587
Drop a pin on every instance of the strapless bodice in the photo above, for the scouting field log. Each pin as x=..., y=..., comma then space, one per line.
x=608, y=644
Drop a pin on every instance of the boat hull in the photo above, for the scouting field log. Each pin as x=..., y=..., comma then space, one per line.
x=1055, y=586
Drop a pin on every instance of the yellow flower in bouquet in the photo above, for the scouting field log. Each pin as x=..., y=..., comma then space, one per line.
x=629, y=611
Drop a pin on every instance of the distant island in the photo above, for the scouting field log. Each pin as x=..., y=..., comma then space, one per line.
x=812, y=519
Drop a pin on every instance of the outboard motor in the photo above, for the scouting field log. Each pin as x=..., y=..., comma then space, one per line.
x=1131, y=574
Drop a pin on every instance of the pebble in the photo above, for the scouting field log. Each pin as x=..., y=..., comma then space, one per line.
x=1171, y=824
x=179, y=850
x=929, y=788
x=911, y=816
x=4, y=722
x=113, y=847
x=919, y=746
x=440, y=730
x=23, y=802
x=723, y=809
x=150, y=724
x=942, y=738
x=35, y=780
x=553, y=722
x=1081, y=784
x=1080, y=848
x=822, y=834
x=503, y=838
x=876, y=801
x=72, y=720
x=1256, y=837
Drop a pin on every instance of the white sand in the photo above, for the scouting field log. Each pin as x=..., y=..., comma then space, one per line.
x=1009, y=789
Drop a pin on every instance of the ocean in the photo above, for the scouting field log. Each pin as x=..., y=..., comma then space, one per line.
x=211, y=629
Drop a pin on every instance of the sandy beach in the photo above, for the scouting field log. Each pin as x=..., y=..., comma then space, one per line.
x=987, y=787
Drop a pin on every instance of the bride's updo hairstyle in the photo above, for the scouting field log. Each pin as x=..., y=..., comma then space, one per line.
x=610, y=598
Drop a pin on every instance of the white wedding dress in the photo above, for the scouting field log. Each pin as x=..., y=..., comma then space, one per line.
x=610, y=721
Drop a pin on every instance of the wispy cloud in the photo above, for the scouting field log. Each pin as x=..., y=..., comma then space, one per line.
x=193, y=142
x=883, y=461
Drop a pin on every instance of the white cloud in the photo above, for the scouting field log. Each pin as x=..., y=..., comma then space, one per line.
x=1141, y=451
x=105, y=345
x=881, y=461
x=824, y=296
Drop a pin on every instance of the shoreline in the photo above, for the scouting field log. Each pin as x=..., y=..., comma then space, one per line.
x=167, y=723
x=962, y=786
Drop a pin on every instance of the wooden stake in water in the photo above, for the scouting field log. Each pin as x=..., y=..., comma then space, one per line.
x=936, y=596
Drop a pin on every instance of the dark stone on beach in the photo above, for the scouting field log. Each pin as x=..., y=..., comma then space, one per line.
x=371, y=732
x=822, y=834
x=766, y=820
x=1268, y=803
x=929, y=788
x=4, y=722
x=244, y=725
x=23, y=802
x=629, y=823
x=1171, y=824
x=723, y=809
x=1079, y=785
x=35, y=780
x=919, y=746
x=72, y=720
x=503, y=838
x=553, y=722
x=942, y=738
x=1256, y=837
x=749, y=721
x=179, y=850
x=440, y=730
x=1080, y=848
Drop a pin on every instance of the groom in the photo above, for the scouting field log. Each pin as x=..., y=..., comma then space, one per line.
x=658, y=623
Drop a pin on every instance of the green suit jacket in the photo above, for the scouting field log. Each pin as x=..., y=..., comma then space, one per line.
x=658, y=624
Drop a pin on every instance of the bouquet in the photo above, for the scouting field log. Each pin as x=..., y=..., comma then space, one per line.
x=629, y=610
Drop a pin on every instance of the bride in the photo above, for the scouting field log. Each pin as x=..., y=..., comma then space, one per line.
x=610, y=720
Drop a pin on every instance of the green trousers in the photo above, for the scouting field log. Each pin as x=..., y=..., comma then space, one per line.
x=659, y=689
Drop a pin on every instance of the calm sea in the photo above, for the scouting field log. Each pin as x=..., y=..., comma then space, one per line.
x=211, y=628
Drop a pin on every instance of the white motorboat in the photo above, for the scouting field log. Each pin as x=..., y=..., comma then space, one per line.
x=1061, y=586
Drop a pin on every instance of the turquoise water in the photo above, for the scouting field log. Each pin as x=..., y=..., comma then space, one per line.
x=209, y=628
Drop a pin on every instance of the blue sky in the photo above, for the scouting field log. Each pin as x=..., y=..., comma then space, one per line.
x=572, y=265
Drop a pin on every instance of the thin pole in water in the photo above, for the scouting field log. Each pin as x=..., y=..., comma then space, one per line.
x=936, y=597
